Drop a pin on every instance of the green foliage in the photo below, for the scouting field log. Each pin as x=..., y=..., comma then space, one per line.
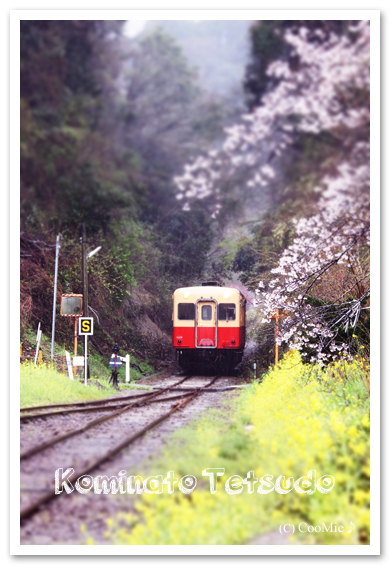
x=69, y=167
x=99, y=367
x=244, y=262
x=119, y=265
x=186, y=241
x=91, y=155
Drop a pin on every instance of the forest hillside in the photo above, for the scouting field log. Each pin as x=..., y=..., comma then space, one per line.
x=257, y=178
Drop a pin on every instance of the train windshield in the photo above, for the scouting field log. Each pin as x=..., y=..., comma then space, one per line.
x=226, y=312
x=186, y=311
x=206, y=312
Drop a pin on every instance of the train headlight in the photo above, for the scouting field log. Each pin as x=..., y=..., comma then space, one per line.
x=233, y=341
x=186, y=295
x=179, y=341
x=227, y=295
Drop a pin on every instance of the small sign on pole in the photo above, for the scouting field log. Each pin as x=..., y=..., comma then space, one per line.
x=78, y=361
x=85, y=326
x=85, y=329
x=115, y=361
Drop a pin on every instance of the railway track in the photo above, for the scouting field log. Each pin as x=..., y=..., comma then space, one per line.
x=86, y=455
x=46, y=411
x=72, y=404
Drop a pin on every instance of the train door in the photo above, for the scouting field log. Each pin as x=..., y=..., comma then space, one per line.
x=206, y=325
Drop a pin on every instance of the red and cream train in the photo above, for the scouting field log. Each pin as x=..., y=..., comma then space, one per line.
x=208, y=327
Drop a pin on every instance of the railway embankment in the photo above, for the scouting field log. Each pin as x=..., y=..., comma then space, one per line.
x=223, y=468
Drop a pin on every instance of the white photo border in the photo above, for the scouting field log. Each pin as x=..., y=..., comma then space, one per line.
x=15, y=16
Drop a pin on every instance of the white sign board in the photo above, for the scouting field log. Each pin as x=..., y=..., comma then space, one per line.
x=78, y=361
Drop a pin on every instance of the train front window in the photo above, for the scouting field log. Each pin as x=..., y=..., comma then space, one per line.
x=186, y=311
x=226, y=312
x=206, y=312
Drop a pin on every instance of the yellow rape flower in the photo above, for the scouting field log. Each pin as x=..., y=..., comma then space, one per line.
x=366, y=421
x=352, y=431
x=361, y=496
x=359, y=448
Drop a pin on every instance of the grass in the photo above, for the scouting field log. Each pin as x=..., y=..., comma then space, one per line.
x=42, y=385
x=300, y=418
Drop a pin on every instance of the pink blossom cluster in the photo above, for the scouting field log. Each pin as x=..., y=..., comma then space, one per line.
x=328, y=92
x=312, y=99
x=335, y=235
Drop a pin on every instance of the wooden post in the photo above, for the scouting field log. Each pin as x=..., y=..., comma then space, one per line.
x=39, y=335
x=127, y=368
x=75, y=344
x=69, y=365
x=276, y=318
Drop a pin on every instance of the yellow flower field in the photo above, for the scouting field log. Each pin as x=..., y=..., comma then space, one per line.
x=300, y=418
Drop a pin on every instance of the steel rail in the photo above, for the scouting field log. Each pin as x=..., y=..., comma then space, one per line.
x=68, y=435
x=93, y=423
x=26, y=417
x=44, y=415
x=89, y=402
x=207, y=390
x=30, y=510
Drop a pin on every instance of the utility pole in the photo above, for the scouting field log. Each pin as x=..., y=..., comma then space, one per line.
x=85, y=270
x=84, y=258
x=53, y=325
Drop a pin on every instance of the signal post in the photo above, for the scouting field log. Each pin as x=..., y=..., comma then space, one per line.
x=72, y=307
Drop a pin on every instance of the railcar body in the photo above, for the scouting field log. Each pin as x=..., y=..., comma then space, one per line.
x=208, y=327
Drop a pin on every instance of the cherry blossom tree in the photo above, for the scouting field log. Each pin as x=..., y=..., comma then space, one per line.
x=321, y=281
